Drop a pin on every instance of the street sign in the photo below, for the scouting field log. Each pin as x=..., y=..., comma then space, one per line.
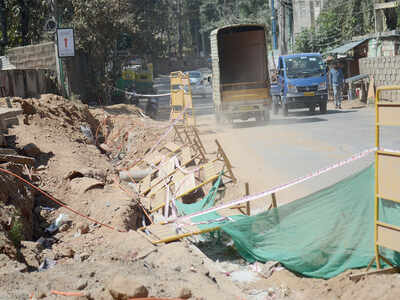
x=65, y=42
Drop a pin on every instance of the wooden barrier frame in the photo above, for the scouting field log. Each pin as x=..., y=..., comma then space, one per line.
x=387, y=177
x=221, y=156
x=181, y=99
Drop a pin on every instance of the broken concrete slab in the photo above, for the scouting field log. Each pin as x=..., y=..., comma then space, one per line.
x=8, y=117
x=17, y=159
x=7, y=151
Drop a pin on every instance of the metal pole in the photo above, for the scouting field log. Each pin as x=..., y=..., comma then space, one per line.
x=60, y=70
x=273, y=19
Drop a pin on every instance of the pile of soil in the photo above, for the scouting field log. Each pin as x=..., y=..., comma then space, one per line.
x=16, y=212
x=58, y=114
x=127, y=134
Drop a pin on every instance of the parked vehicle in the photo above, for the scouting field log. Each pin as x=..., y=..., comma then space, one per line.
x=195, y=77
x=303, y=83
x=241, y=86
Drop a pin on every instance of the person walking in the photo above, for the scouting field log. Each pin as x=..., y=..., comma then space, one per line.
x=337, y=81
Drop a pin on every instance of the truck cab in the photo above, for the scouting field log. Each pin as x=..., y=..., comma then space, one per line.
x=303, y=83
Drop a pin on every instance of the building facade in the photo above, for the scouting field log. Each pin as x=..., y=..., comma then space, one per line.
x=305, y=13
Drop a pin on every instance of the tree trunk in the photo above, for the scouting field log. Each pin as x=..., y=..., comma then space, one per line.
x=282, y=30
x=180, y=31
x=24, y=21
x=3, y=16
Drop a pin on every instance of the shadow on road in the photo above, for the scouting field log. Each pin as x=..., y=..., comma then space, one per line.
x=306, y=113
x=276, y=122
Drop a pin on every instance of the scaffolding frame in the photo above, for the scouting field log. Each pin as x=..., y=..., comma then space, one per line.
x=386, y=177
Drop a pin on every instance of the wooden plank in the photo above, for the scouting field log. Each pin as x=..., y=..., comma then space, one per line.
x=154, y=158
x=166, y=168
x=389, y=115
x=158, y=199
x=274, y=204
x=186, y=156
x=227, y=162
x=145, y=184
x=388, y=236
x=187, y=183
x=17, y=159
x=357, y=277
x=210, y=170
x=247, y=192
x=388, y=177
x=172, y=147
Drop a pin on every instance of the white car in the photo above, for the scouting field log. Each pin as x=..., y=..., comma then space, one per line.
x=195, y=77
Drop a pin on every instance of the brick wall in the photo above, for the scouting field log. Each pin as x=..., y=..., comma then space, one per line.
x=385, y=71
x=41, y=56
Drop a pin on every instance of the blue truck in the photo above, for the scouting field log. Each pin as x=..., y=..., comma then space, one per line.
x=301, y=82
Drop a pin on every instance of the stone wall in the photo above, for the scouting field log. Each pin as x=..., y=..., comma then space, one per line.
x=27, y=83
x=41, y=56
x=385, y=71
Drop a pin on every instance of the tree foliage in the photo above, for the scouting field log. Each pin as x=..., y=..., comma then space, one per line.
x=24, y=21
x=337, y=23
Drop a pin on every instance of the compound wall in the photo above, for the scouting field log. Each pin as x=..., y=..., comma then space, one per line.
x=385, y=70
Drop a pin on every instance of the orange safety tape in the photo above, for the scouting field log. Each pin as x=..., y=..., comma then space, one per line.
x=155, y=299
x=73, y=294
x=57, y=201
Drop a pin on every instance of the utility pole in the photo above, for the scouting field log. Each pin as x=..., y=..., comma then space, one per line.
x=273, y=19
x=282, y=28
x=59, y=65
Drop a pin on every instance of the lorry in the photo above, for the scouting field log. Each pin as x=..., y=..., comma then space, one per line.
x=302, y=82
x=240, y=79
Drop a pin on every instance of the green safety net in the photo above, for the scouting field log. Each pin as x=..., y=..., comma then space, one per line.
x=320, y=235
x=208, y=220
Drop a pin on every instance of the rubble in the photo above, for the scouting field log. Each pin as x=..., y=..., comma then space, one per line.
x=124, y=288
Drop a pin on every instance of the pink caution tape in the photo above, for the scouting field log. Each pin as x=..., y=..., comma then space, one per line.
x=354, y=157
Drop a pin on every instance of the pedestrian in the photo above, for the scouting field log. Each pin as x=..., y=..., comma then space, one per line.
x=337, y=81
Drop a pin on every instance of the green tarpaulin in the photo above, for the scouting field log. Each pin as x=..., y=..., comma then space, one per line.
x=321, y=235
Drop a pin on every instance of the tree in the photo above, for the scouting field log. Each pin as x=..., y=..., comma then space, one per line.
x=336, y=25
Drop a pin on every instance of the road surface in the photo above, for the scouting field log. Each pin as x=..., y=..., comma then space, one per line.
x=267, y=155
x=271, y=154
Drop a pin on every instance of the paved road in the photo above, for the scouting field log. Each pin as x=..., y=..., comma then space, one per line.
x=293, y=146
x=274, y=153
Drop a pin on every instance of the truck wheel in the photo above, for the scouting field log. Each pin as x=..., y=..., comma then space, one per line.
x=285, y=110
x=311, y=109
x=322, y=107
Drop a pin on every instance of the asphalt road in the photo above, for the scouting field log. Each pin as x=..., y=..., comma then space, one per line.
x=267, y=155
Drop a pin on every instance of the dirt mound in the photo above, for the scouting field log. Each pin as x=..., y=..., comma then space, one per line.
x=16, y=212
x=61, y=115
x=127, y=133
